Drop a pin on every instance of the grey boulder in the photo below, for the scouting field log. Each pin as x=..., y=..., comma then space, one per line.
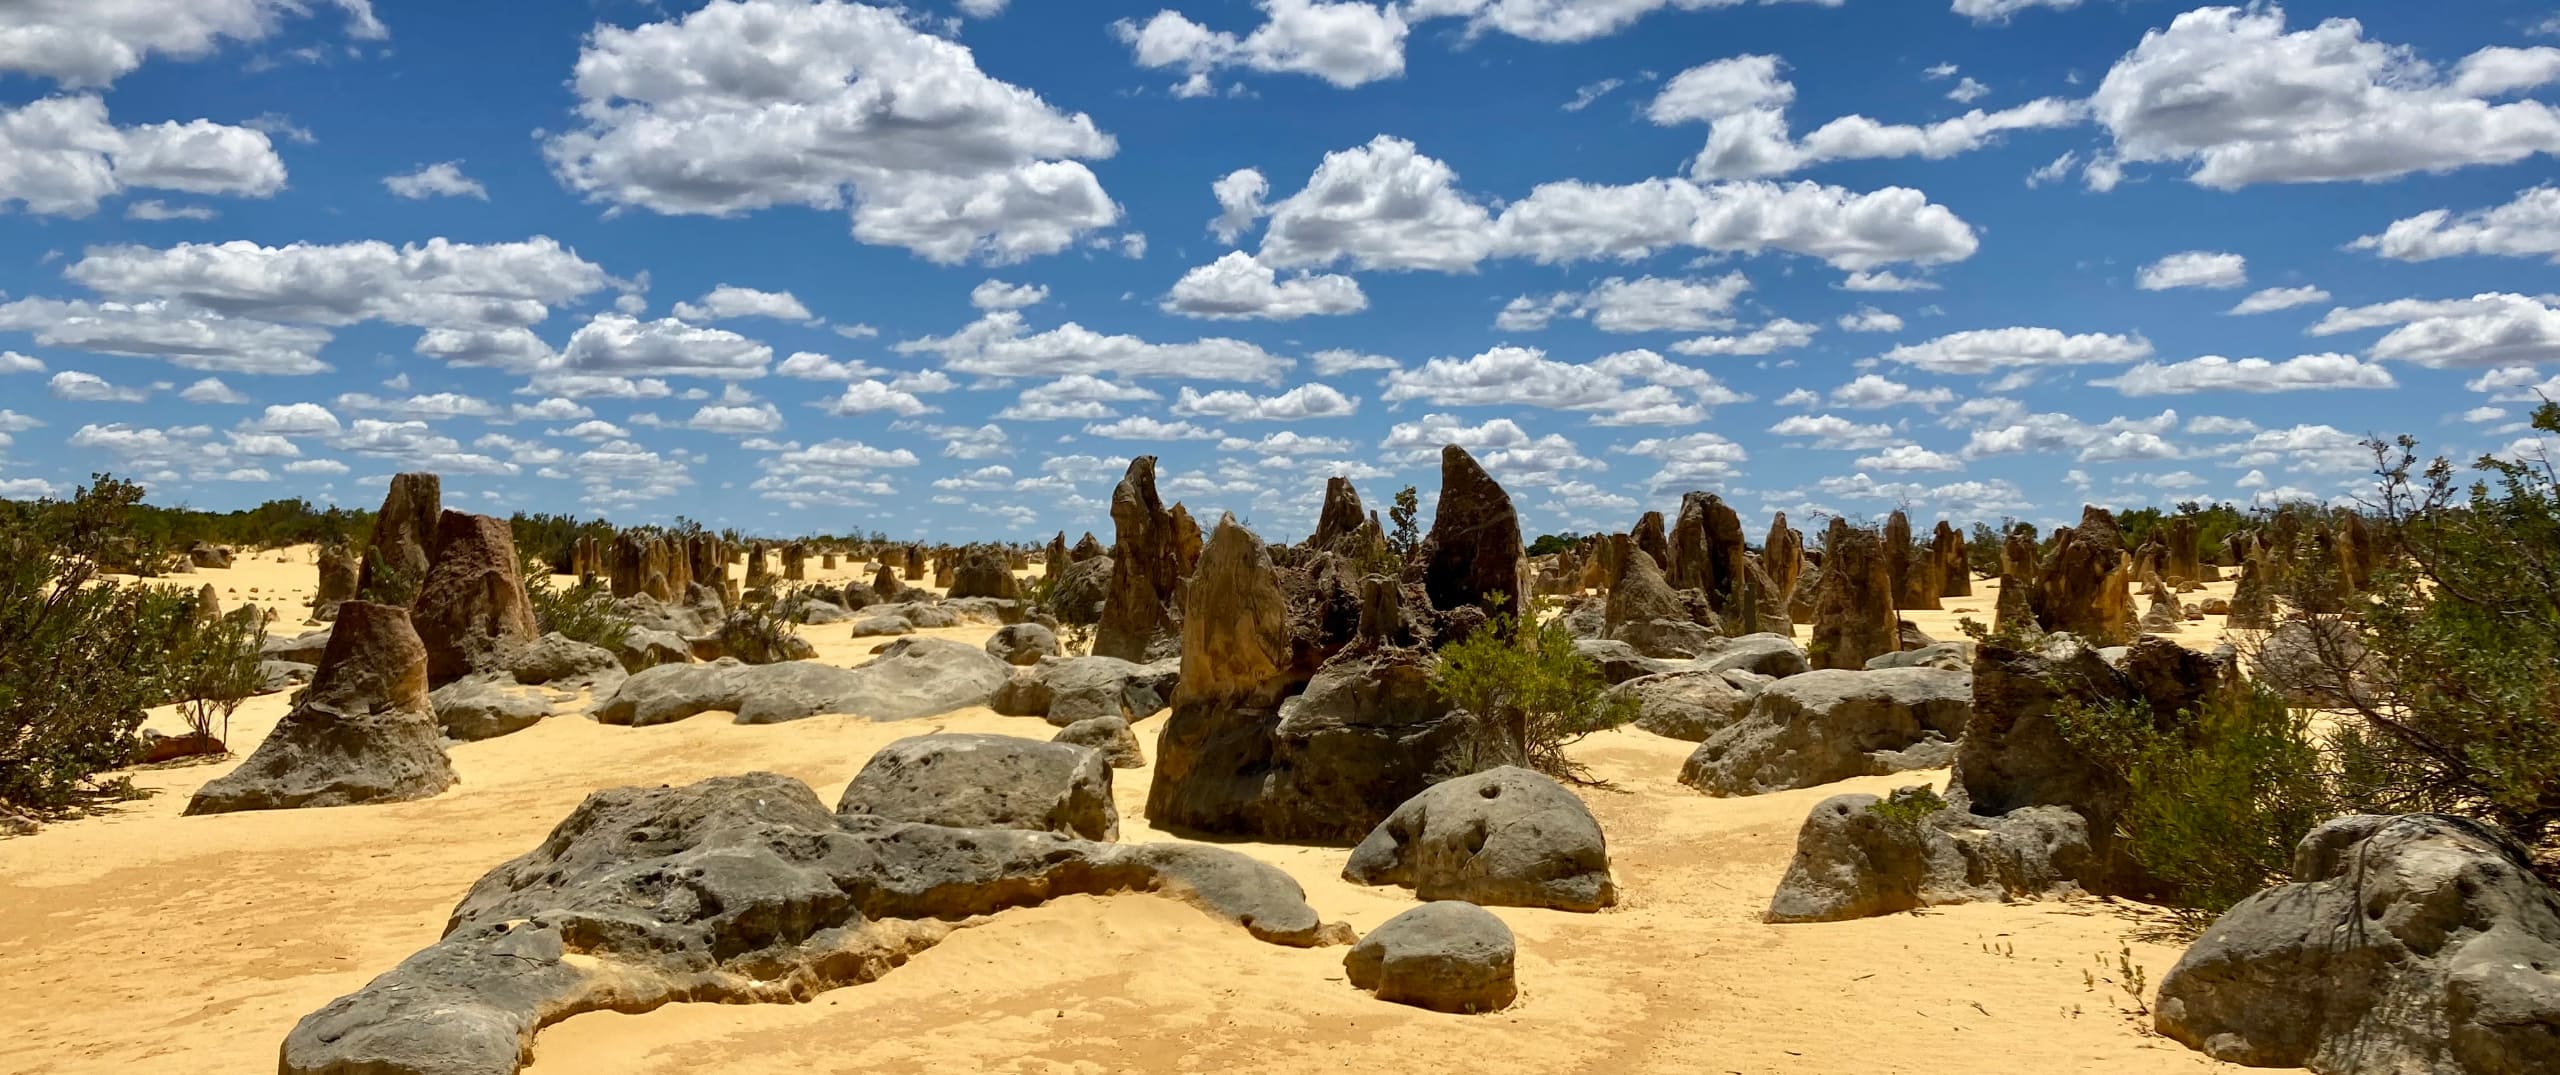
x=1774, y=655
x=300, y=649
x=1447, y=956
x=1946, y=656
x=486, y=707
x=1832, y=724
x=2413, y=943
x=972, y=781
x=1505, y=837
x=1690, y=705
x=1619, y=662
x=1023, y=643
x=1858, y=856
x=560, y=661
x=1107, y=736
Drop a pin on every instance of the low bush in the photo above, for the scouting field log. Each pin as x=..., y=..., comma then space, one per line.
x=584, y=612
x=1531, y=693
x=2219, y=798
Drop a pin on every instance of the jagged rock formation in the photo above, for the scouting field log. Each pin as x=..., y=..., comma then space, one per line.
x=1140, y=615
x=1340, y=516
x=1782, y=556
x=1448, y=956
x=2026, y=813
x=1109, y=737
x=773, y=899
x=982, y=573
x=1504, y=837
x=971, y=781
x=338, y=579
x=1853, y=609
x=1187, y=541
x=1246, y=752
x=2185, y=561
x=2415, y=943
x=1955, y=567
x=2253, y=601
x=471, y=611
x=362, y=733
x=1645, y=612
x=402, y=545
x=1471, y=558
x=2086, y=586
x=1649, y=538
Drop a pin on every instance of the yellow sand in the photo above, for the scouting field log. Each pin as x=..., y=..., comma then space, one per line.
x=147, y=942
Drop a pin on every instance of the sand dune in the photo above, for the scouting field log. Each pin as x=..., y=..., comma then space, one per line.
x=143, y=941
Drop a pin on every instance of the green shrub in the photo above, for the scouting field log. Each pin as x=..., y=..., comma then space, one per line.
x=1531, y=693
x=1404, y=520
x=1907, y=807
x=584, y=612
x=2456, y=706
x=764, y=629
x=79, y=659
x=2218, y=800
x=213, y=666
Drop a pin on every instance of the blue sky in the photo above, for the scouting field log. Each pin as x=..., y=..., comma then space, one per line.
x=805, y=265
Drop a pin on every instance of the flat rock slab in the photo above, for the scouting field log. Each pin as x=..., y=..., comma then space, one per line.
x=912, y=678
x=736, y=889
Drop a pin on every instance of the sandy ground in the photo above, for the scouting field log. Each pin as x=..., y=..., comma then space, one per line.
x=143, y=941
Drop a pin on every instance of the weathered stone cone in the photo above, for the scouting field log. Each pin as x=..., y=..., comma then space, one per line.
x=1502, y=837
x=1446, y=956
x=735, y=889
x=1471, y=558
x=1365, y=734
x=472, y=612
x=1645, y=612
x=338, y=571
x=1955, y=567
x=362, y=732
x=1087, y=548
x=1055, y=560
x=402, y=546
x=1187, y=541
x=2018, y=555
x=1915, y=581
x=1139, y=611
x=1341, y=515
x=2186, y=562
x=1782, y=556
x=2415, y=943
x=2253, y=603
x=2015, y=612
x=982, y=573
x=1648, y=538
x=2086, y=586
x=1853, y=619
